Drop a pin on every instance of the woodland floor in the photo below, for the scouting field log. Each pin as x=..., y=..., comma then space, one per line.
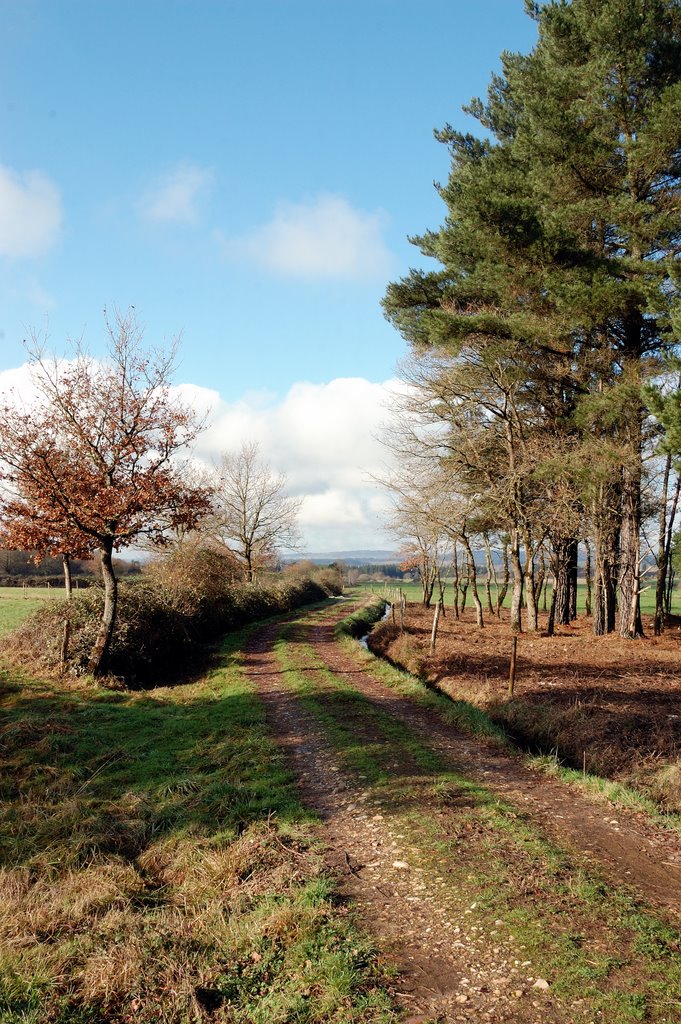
x=497, y=893
x=606, y=705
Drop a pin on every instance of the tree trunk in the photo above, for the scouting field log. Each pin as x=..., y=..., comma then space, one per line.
x=488, y=577
x=100, y=651
x=464, y=574
x=668, y=597
x=604, y=593
x=562, y=580
x=630, y=625
x=574, y=573
x=427, y=580
x=433, y=633
x=501, y=594
x=606, y=539
x=666, y=532
x=474, y=584
x=660, y=583
x=441, y=591
x=544, y=577
x=551, y=627
x=530, y=595
x=587, y=577
x=455, y=581
x=539, y=583
x=66, y=563
x=669, y=589
x=517, y=592
x=565, y=572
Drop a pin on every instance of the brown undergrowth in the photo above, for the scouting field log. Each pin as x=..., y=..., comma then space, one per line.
x=602, y=704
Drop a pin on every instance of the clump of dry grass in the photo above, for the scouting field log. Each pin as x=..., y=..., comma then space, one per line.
x=400, y=649
x=124, y=942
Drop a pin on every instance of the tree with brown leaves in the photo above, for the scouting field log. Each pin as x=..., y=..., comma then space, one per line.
x=92, y=464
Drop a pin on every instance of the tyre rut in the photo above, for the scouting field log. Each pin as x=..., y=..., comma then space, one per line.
x=633, y=851
x=448, y=969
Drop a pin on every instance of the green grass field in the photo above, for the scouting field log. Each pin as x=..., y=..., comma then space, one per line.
x=16, y=604
x=413, y=592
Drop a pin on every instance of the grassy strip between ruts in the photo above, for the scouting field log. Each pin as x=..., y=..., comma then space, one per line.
x=458, y=713
x=157, y=866
x=606, y=955
x=468, y=718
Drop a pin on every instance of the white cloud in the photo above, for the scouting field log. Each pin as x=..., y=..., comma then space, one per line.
x=324, y=238
x=18, y=386
x=30, y=213
x=324, y=437
x=177, y=198
x=334, y=508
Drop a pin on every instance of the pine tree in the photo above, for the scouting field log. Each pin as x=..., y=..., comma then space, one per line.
x=561, y=234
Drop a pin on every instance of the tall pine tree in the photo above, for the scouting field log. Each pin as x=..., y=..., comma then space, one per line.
x=561, y=233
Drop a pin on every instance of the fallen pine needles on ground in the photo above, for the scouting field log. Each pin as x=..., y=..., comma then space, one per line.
x=601, y=705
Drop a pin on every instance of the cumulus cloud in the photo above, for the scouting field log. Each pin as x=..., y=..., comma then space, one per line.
x=18, y=387
x=16, y=381
x=324, y=438
x=177, y=197
x=325, y=238
x=30, y=213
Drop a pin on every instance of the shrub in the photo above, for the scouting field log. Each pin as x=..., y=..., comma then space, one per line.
x=330, y=577
x=149, y=637
x=181, y=601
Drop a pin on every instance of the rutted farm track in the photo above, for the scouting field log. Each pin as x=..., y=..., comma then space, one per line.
x=498, y=894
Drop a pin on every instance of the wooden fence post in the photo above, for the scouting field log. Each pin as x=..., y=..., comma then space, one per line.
x=433, y=635
x=64, y=653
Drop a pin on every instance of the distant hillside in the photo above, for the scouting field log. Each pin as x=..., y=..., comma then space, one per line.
x=360, y=557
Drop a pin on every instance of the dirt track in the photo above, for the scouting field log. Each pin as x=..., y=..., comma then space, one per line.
x=451, y=967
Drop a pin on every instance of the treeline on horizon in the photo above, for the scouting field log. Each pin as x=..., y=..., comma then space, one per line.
x=19, y=567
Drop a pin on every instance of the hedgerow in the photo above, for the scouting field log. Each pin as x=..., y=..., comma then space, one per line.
x=182, y=601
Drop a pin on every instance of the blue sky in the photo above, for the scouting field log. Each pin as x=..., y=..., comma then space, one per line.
x=246, y=175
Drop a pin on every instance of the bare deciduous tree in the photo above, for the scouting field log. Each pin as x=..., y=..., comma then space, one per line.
x=253, y=514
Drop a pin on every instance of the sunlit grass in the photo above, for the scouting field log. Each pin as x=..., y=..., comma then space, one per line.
x=156, y=864
x=17, y=603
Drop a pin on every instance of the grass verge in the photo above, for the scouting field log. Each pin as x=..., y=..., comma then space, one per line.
x=458, y=713
x=156, y=865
